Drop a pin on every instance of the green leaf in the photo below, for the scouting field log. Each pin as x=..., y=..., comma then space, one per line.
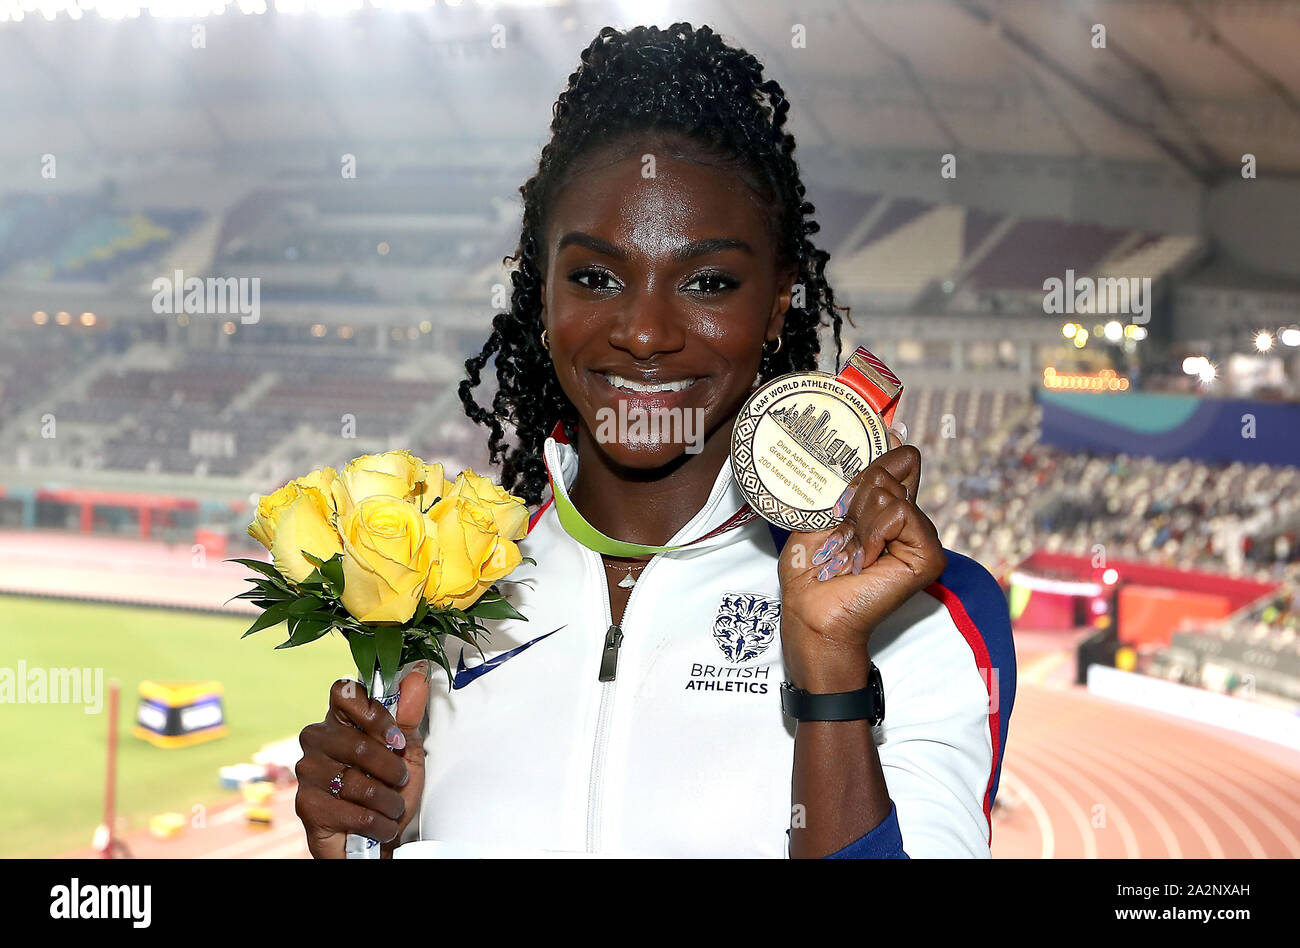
x=308, y=630
x=272, y=616
x=388, y=645
x=363, y=653
x=266, y=569
x=495, y=609
x=439, y=656
x=420, y=612
x=313, y=560
x=306, y=604
x=333, y=570
x=528, y=559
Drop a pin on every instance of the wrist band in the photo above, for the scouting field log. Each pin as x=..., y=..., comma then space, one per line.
x=863, y=704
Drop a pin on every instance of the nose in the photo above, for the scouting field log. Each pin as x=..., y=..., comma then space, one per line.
x=650, y=325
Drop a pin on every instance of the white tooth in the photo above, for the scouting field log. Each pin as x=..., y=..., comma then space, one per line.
x=628, y=385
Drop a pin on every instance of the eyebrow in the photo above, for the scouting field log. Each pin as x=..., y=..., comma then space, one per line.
x=696, y=248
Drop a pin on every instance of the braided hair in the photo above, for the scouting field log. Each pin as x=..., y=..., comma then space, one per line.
x=690, y=84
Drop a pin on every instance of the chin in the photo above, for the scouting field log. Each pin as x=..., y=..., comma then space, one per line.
x=645, y=455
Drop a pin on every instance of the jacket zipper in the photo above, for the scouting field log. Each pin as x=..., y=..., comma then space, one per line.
x=608, y=680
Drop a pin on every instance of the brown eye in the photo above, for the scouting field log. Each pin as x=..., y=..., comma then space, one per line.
x=710, y=283
x=594, y=279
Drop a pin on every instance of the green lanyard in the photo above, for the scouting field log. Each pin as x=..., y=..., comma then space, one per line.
x=576, y=525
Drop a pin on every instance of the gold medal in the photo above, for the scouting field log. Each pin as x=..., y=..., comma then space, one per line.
x=801, y=438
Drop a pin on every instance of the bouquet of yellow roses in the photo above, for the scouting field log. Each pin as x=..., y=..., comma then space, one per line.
x=389, y=553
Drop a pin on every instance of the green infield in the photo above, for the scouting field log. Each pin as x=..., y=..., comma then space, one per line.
x=51, y=798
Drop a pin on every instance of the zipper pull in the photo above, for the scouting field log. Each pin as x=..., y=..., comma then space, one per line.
x=609, y=657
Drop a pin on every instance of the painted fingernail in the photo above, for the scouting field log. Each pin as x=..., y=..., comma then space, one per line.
x=858, y=557
x=394, y=737
x=828, y=549
x=833, y=568
x=842, y=505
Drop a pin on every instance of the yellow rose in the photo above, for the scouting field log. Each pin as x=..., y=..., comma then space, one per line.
x=509, y=512
x=305, y=523
x=466, y=539
x=396, y=474
x=505, y=556
x=270, y=507
x=435, y=485
x=388, y=556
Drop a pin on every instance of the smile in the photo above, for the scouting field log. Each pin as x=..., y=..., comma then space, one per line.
x=627, y=385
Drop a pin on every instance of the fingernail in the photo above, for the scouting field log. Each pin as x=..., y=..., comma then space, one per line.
x=406, y=776
x=395, y=738
x=825, y=551
x=842, y=505
x=422, y=666
x=857, y=560
x=899, y=429
x=832, y=568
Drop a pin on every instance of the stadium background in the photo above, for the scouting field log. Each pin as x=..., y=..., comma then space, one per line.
x=1131, y=483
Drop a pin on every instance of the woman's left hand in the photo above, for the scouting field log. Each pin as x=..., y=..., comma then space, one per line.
x=838, y=585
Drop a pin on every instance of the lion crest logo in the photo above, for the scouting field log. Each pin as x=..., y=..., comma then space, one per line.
x=746, y=624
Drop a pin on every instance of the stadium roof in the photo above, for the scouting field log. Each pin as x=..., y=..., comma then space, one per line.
x=1193, y=85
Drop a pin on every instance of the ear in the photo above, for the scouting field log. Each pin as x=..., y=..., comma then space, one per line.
x=781, y=303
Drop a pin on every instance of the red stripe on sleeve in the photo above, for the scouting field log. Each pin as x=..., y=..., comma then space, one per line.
x=970, y=632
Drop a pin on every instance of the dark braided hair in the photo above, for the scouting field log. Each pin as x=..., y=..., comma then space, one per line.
x=690, y=84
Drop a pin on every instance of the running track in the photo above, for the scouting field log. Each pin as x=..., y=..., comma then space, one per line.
x=1164, y=788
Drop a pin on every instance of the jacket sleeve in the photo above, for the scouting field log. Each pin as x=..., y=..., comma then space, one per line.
x=949, y=671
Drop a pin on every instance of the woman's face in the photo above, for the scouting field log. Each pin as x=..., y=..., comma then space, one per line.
x=659, y=291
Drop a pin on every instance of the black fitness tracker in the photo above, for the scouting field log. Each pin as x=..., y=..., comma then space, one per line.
x=863, y=704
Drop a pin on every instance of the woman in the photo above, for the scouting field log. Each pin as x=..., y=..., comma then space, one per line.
x=665, y=262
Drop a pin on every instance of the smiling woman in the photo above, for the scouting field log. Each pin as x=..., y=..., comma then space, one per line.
x=665, y=268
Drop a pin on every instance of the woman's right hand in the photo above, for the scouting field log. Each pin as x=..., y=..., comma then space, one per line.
x=381, y=787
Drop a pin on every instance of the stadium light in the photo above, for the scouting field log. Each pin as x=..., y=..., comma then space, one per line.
x=1114, y=331
x=1069, y=329
x=1080, y=338
x=1263, y=341
x=1290, y=337
x=1194, y=365
x=1208, y=373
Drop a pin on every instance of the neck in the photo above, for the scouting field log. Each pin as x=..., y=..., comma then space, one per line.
x=646, y=506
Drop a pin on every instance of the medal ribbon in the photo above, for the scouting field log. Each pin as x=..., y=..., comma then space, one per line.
x=864, y=373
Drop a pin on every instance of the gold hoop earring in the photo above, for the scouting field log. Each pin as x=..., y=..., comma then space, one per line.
x=546, y=339
x=780, y=341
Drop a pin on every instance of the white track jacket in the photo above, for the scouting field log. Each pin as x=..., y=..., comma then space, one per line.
x=686, y=752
